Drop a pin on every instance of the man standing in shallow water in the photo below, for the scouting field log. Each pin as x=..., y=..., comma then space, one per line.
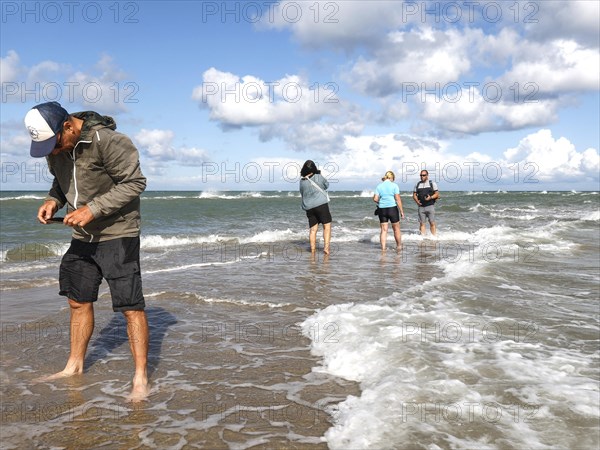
x=425, y=194
x=97, y=175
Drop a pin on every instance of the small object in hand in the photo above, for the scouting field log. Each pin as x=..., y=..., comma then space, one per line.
x=376, y=213
x=55, y=219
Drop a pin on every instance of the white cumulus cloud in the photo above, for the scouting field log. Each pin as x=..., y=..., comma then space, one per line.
x=555, y=159
x=291, y=109
x=555, y=67
x=10, y=68
x=537, y=158
x=104, y=87
x=418, y=58
x=344, y=24
x=158, y=147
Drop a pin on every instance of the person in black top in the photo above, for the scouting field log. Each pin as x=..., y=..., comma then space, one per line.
x=425, y=194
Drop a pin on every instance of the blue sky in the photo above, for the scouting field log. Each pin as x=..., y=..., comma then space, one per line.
x=237, y=95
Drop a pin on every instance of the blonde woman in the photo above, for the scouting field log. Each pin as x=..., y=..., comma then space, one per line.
x=389, y=205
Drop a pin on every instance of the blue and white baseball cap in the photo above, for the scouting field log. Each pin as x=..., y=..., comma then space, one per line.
x=43, y=122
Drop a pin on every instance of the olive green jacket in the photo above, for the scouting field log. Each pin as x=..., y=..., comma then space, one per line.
x=102, y=172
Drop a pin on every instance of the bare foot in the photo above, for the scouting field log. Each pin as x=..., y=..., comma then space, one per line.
x=326, y=250
x=140, y=389
x=63, y=374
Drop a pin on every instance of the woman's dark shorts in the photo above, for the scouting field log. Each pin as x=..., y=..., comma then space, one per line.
x=117, y=261
x=317, y=215
x=392, y=214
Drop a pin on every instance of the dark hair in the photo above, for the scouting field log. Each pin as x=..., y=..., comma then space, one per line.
x=309, y=167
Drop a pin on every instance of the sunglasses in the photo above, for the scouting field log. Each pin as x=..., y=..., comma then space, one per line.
x=58, y=143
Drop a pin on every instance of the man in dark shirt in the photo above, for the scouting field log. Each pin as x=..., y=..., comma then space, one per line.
x=425, y=194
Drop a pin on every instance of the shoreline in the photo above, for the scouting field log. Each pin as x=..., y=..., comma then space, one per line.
x=218, y=387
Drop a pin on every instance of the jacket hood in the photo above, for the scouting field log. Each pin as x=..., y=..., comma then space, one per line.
x=94, y=121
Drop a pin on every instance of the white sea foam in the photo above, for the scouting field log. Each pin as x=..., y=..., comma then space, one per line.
x=594, y=216
x=12, y=284
x=511, y=287
x=237, y=195
x=165, y=197
x=239, y=301
x=347, y=234
x=23, y=197
x=217, y=194
x=154, y=294
x=191, y=266
x=157, y=241
x=476, y=208
x=415, y=349
x=557, y=246
x=516, y=217
x=411, y=357
x=272, y=236
x=251, y=194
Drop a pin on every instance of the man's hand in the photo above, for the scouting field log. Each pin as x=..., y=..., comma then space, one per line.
x=79, y=218
x=46, y=211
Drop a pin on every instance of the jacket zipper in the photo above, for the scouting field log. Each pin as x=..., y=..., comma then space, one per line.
x=75, y=183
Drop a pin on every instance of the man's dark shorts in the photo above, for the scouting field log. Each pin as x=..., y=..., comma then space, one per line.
x=392, y=214
x=319, y=214
x=117, y=261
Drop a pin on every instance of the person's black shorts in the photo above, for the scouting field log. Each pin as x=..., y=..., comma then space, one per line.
x=392, y=214
x=317, y=215
x=117, y=261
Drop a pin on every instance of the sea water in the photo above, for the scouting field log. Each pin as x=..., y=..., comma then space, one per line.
x=484, y=336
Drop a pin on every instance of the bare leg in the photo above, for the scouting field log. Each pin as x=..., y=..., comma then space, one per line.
x=422, y=229
x=326, y=237
x=312, y=237
x=433, y=228
x=82, y=327
x=383, y=234
x=137, y=330
x=397, y=235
